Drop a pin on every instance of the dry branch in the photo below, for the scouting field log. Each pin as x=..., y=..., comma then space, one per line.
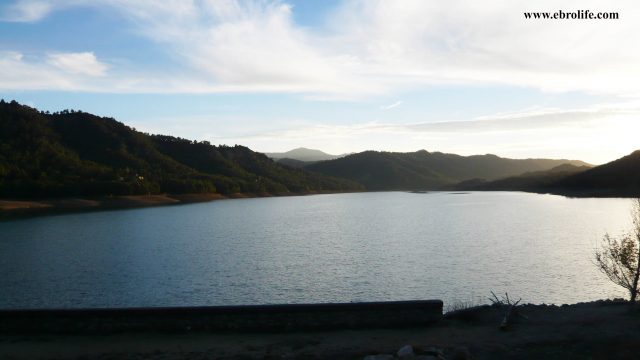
x=505, y=301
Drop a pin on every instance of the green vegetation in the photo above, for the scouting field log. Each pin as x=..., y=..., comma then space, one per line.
x=73, y=153
x=423, y=170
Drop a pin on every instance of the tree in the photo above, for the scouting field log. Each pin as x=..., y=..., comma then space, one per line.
x=619, y=258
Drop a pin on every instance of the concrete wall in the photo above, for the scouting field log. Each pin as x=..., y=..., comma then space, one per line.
x=223, y=318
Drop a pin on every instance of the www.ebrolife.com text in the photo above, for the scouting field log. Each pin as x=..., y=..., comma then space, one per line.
x=572, y=15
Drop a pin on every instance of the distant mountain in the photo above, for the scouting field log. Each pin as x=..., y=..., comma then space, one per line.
x=537, y=181
x=294, y=163
x=73, y=153
x=303, y=154
x=423, y=170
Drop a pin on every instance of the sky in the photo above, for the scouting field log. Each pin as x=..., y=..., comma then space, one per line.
x=458, y=76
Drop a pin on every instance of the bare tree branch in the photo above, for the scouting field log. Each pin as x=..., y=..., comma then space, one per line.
x=619, y=258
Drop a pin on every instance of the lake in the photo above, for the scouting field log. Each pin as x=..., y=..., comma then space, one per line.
x=322, y=248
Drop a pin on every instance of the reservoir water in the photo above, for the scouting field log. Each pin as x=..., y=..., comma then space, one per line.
x=322, y=248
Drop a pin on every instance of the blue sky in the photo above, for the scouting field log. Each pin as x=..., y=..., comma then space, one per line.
x=340, y=76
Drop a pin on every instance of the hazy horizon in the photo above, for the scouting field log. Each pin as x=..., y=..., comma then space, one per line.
x=430, y=151
x=340, y=76
x=410, y=151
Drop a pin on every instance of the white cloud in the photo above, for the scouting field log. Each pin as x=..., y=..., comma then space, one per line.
x=250, y=46
x=60, y=71
x=84, y=63
x=16, y=73
x=490, y=42
x=373, y=47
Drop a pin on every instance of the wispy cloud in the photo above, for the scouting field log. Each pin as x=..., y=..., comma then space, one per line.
x=368, y=47
x=526, y=121
x=60, y=71
x=26, y=11
x=391, y=106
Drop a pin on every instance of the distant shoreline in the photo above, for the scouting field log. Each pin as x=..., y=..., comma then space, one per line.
x=18, y=208
x=10, y=208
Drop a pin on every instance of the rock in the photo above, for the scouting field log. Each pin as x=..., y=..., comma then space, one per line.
x=461, y=353
x=379, y=357
x=405, y=352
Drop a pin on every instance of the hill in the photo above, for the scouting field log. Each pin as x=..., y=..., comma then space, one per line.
x=620, y=177
x=537, y=181
x=74, y=153
x=303, y=154
x=294, y=163
x=423, y=170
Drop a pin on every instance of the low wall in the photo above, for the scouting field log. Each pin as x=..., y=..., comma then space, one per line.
x=292, y=317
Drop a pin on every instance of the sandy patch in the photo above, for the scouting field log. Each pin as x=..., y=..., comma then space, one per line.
x=9, y=205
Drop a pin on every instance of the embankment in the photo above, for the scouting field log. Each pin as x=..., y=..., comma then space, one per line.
x=267, y=318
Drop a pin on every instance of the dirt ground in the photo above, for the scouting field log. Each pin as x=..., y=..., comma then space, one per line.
x=599, y=330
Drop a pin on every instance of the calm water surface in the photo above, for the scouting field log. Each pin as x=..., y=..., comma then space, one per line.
x=323, y=248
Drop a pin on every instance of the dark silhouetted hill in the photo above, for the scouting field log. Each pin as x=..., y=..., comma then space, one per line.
x=537, y=181
x=74, y=153
x=423, y=170
x=617, y=178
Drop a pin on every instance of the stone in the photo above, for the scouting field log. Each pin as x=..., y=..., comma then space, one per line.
x=405, y=352
x=461, y=353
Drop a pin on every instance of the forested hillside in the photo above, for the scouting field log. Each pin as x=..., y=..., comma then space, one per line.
x=74, y=153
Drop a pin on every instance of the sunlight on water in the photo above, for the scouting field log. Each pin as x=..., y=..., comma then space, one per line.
x=323, y=248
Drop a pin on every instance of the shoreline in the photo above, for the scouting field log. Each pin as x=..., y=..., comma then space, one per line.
x=22, y=208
